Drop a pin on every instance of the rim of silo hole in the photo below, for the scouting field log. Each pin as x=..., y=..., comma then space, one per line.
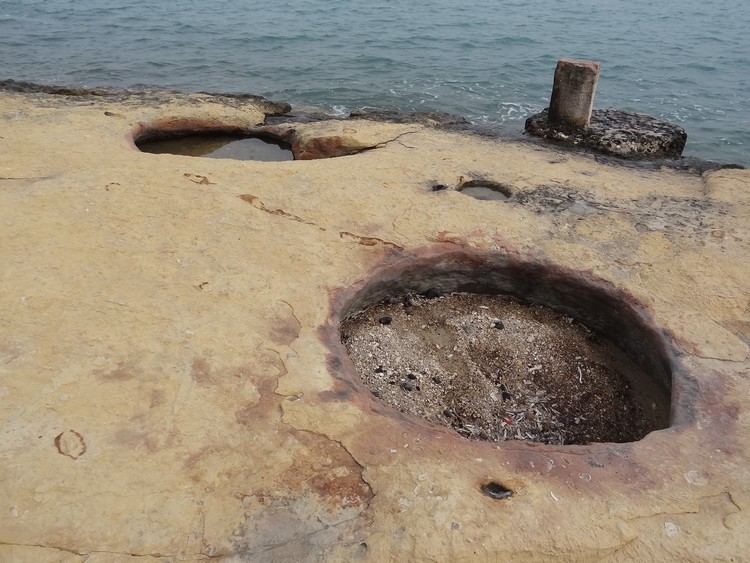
x=594, y=302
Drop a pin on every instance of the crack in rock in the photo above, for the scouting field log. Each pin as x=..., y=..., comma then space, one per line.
x=87, y=552
x=258, y=204
x=369, y=241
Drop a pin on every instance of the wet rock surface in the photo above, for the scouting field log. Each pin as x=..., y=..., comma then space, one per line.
x=615, y=132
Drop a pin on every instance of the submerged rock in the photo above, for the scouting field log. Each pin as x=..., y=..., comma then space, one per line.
x=615, y=132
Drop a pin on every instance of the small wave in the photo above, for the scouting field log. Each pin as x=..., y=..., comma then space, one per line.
x=339, y=111
x=701, y=67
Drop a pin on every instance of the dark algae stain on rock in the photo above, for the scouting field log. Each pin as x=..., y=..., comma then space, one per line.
x=496, y=491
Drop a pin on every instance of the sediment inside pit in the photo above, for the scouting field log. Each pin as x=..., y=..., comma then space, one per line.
x=501, y=350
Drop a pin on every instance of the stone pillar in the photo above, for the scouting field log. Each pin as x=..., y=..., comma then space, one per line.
x=573, y=92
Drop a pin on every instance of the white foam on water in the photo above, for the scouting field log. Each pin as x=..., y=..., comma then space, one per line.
x=490, y=65
x=339, y=111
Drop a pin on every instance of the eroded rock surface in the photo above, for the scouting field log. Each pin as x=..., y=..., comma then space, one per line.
x=172, y=377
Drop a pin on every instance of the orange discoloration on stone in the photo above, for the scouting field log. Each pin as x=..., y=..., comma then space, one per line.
x=227, y=421
x=200, y=371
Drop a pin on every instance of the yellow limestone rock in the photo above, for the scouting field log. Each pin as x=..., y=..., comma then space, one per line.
x=169, y=371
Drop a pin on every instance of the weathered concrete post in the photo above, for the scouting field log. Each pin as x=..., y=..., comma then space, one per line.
x=573, y=92
x=571, y=119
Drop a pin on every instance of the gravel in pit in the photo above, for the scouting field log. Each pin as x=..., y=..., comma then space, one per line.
x=495, y=368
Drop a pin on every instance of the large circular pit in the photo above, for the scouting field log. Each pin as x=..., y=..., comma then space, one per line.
x=500, y=349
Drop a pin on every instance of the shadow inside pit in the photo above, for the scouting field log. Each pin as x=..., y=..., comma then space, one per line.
x=496, y=491
x=485, y=190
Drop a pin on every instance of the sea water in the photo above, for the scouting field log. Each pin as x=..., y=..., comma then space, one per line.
x=491, y=61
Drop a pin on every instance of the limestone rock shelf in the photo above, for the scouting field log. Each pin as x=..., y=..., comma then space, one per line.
x=171, y=384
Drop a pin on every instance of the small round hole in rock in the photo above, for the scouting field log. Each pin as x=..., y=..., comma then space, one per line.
x=496, y=490
x=485, y=190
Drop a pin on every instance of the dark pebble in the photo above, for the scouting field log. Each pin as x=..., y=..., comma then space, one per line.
x=376, y=394
x=498, y=325
x=411, y=376
x=506, y=396
x=496, y=491
x=432, y=293
x=437, y=380
x=407, y=386
x=380, y=369
x=439, y=187
x=449, y=413
x=593, y=463
x=385, y=320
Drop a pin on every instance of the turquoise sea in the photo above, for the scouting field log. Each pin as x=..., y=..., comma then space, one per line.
x=492, y=61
